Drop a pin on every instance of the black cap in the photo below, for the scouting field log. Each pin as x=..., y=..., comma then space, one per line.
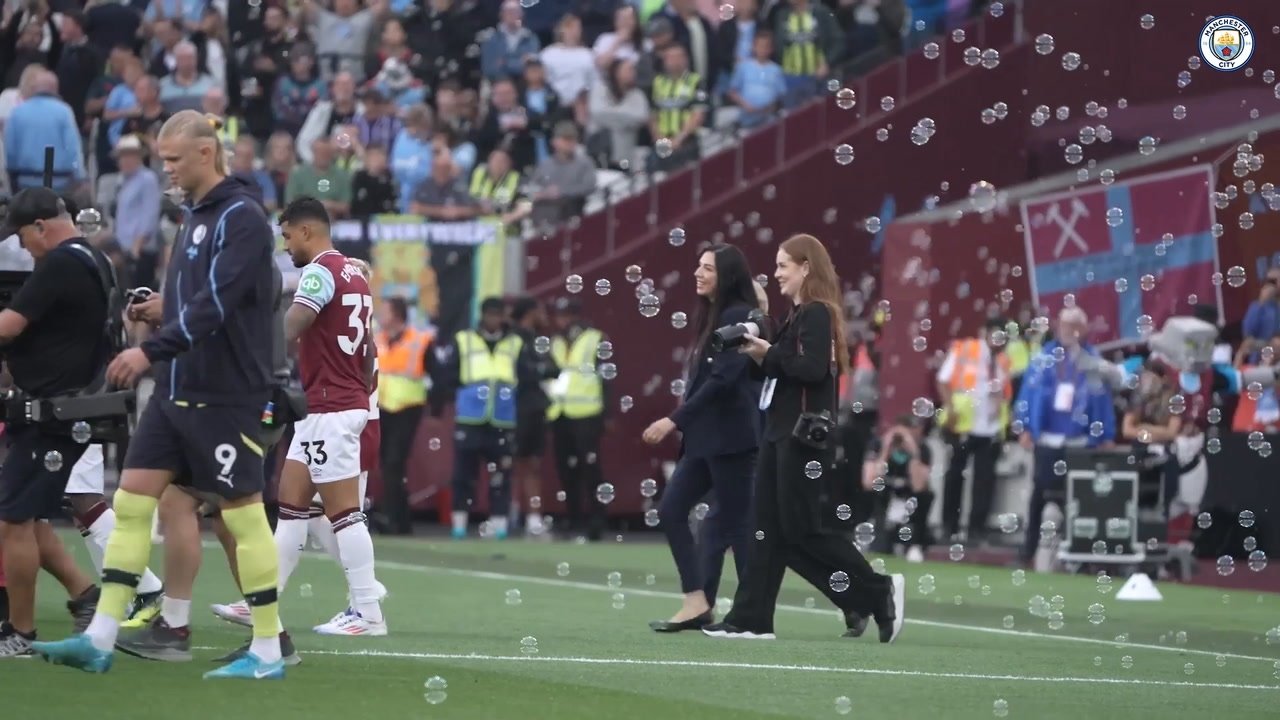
x=29, y=206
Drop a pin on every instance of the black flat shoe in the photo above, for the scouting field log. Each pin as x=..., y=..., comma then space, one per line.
x=855, y=624
x=696, y=623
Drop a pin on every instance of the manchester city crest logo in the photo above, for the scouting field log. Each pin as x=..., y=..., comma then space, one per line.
x=1226, y=43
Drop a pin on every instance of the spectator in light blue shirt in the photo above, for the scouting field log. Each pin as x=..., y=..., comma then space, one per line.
x=503, y=53
x=189, y=12
x=43, y=120
x=758, y=85
x=137, y=219
x=185, y=87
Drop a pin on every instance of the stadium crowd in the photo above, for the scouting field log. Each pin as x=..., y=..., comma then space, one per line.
x=441, y=108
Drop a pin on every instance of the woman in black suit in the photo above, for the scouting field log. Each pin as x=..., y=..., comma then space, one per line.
x=800, y=369
x=717, y=419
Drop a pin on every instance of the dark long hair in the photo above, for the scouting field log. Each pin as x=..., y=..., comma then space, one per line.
x=733, y=286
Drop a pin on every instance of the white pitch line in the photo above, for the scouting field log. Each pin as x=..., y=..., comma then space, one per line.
x=552, y=582
x=772, y=667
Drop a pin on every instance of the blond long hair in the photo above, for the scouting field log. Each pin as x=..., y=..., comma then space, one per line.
x=821, y=285
x=199, y=126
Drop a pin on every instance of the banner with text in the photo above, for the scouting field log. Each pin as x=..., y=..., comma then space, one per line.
x=1130, y=254
x=442, y=269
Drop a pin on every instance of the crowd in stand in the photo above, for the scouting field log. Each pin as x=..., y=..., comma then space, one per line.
x=445, y=108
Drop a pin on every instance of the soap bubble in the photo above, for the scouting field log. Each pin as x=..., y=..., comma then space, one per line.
x=436, y=690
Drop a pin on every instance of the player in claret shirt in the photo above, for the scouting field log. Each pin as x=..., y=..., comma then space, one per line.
x=329, y=320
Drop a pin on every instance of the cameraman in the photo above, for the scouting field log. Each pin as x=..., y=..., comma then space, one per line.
x=54, y=342
x=901, y=459
x=800, y=370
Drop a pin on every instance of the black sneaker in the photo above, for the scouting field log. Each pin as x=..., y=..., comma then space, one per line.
x=14, y=644
x=855, y=624
x=725, y=630
x=890, y=615
x=144, y=603
x=288, y=652
x=82, y=608
x=157, y=641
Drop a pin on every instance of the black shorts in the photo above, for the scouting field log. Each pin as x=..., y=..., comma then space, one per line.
x=531, y=435
x=215, y=449
x=29, y=490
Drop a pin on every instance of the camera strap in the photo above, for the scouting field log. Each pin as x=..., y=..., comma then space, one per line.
x=831, y=371
x=113, y=334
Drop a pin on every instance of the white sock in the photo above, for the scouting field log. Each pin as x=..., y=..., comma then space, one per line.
x=356, y=549
x=95, y=538
x=176, y=613
x=291, y=537
x=459, y=519
x=102, y=632
x=149, y=583
x=321, y=530
x=267, y=649
x=498, y=523
x=533, y=523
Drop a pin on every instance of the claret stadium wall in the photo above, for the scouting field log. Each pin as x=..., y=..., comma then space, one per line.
x=784, y=179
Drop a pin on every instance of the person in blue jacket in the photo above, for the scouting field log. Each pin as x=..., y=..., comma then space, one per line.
x=719, y=423
x=1060, y=405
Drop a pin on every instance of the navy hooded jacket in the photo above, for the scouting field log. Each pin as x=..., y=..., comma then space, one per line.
x=215, y=342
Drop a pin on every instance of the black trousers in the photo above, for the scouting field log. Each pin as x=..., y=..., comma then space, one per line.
x=398, y=431
x=577, y=450
x=728, y=479
x=788, y=513
x=984, y=451
x=483, y=444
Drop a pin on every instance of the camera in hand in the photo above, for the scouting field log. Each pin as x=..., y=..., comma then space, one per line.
x=814, y=429
x=732, y=336
x=138, y=295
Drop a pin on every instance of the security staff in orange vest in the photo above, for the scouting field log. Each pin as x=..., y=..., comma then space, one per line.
x=403, y=358
x=975, y=386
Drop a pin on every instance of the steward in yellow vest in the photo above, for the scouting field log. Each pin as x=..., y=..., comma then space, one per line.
x=487, y=364
x=578, y=414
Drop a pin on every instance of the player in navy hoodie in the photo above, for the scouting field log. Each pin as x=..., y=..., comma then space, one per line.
x=204, y=421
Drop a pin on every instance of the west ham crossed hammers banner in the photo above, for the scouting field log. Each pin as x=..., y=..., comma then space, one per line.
x=1100, y=244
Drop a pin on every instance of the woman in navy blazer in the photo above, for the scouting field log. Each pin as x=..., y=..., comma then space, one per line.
x=719, y=421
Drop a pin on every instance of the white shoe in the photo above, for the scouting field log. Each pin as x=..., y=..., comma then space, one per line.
x=352, y=624
x=915, y=554
x=899, y=604
x=236, y=612
x=334, y=620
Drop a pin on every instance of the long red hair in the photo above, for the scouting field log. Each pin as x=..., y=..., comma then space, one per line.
x=821, y=285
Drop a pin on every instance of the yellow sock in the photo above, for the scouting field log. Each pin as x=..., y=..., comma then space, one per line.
x=259, y=566
x=127, y=553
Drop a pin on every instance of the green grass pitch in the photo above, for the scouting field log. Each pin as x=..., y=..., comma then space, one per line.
x=1198, y=653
